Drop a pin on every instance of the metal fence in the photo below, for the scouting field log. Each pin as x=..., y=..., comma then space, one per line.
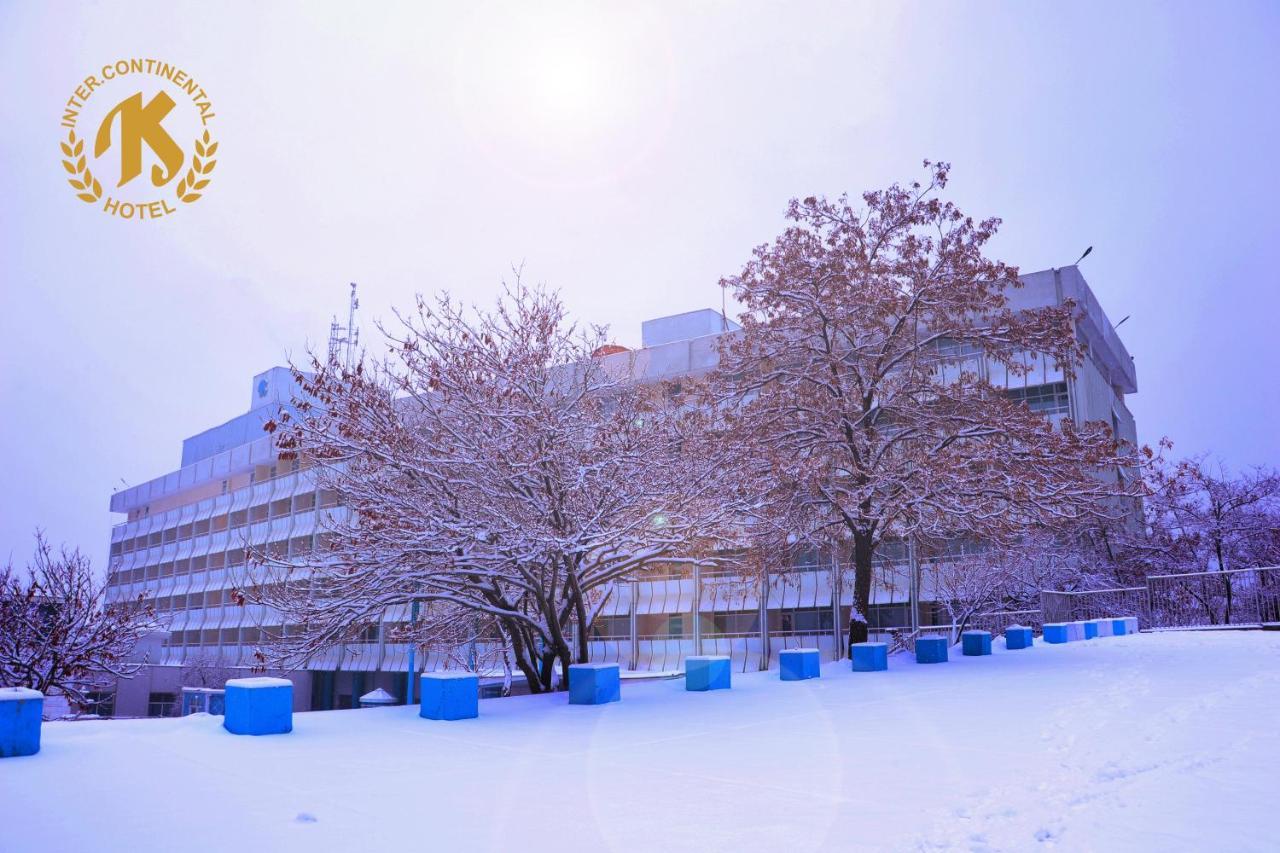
x=1234, y=598
x=1237, y=597
x=1059, y=606
x=1241, y=597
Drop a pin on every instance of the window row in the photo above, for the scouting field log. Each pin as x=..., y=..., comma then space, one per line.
x=1050, y=399
x=227, y=521
x=280, y=549
x=247, y=635
x=192, y=601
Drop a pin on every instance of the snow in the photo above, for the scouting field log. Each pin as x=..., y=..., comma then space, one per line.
x=259, y=683
x=378, y=697
x=19, y=694
x=1157, y=741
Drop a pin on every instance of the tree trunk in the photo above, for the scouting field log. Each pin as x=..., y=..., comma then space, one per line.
x=579, y=606
x=522, y=650
x=862, y=554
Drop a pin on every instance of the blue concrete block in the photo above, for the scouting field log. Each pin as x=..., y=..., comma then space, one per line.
x=20, y=712
x=449, y=695
x=870, y=657
x=975, y=643
x=931, y=649
x=706, y=672
x=594, y=683
x=1103, y=627
x=259, y=706
x=1119, y=627
x=799, y=664
x=1018, y=637
x=1056, y=632
x=1131, y=624
x=1090, y=630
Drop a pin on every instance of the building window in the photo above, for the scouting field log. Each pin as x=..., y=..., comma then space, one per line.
x=610, y=627
x=806, y=558
x=735, y=622
x=809, y=620
x=161, y=705
x=100, y=702
x=1050, y=399
x=675, y=626
x=951, y=348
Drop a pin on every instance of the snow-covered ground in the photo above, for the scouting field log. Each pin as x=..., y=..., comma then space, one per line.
x=1152, y=742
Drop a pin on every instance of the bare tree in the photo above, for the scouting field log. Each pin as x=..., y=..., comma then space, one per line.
x=205, y=671
x=855, y=384
x=1009, y=576
x=1202, y=518
x=494, y=467
x=59, y=631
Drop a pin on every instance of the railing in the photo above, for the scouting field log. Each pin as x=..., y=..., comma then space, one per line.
x=1232, y=598
x=1059, y=606
x=1237, y=597
x=998, y=622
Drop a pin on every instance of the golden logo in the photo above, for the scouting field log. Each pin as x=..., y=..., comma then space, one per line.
x=135, y=126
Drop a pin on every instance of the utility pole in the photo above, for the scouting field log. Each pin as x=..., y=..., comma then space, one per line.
x=413, y=653
x=913, y=584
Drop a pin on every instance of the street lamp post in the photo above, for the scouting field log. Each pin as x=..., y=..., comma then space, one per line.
x=413, y=649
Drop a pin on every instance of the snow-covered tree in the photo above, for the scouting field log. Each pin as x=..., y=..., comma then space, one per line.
x=855, y=388
x=1008, y=576
x=1200, y=517
x=1203, y=518
x=59, y=632
x=494, y=467
x=206, y=671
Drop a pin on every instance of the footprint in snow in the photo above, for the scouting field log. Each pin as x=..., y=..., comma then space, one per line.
x=303, y=817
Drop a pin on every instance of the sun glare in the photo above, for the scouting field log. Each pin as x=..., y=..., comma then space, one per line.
x=567, y=99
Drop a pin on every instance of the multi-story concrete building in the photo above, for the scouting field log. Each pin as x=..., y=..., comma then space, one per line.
x=183, y=542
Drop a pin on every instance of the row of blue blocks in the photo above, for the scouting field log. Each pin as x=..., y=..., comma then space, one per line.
x=264, y=706
x=1066, y=632
x=259, y=706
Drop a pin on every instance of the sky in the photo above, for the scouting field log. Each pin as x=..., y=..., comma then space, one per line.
x=628, y=155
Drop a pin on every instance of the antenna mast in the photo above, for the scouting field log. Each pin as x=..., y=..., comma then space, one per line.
x=724, y=308
x=344, y=339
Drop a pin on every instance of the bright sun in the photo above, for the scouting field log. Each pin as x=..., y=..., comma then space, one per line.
x=568, y=98
x=566, y=80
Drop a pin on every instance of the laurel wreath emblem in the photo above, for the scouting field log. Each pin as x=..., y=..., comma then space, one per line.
x=89, y=189
x=189, y=188
x=82, y=180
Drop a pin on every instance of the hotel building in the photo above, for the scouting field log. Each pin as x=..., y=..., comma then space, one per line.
x=183, y=537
